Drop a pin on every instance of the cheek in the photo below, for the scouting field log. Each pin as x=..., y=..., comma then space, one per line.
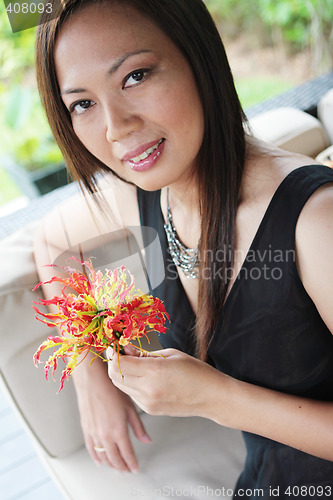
x=182, y=111
x=83, y=129
x=91, y=135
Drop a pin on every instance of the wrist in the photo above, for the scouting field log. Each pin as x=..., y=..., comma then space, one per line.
x=88, y=369
x=221, y=402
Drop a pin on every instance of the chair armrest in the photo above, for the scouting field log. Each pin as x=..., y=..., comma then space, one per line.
x=291, y=129
x=325, y=113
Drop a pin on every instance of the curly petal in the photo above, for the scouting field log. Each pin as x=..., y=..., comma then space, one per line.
x=106, y=310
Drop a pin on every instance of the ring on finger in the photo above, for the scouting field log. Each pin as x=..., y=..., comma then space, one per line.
x=99, y=448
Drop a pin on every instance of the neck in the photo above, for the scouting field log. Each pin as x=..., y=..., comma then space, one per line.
x=184, y=206
x=184, y=198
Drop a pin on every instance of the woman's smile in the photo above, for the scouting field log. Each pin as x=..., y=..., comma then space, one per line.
x=147, y=159
x=131, y=95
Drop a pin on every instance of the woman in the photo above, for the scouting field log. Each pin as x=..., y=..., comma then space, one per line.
x=143, y=88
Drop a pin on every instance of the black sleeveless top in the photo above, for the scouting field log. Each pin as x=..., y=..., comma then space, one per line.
x=269, y=332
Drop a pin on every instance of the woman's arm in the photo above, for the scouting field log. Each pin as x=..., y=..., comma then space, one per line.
x=314, y=251
x=106, y=413
x=181, y=385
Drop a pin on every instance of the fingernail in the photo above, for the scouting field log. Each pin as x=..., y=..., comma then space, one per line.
x=146, y=438
x=134, y=470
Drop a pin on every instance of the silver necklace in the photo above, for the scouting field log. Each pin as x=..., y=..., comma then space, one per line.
x=185, y=258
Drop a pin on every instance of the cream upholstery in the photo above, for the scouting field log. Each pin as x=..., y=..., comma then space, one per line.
x=20, y=336
x=291, y=129
x=325, y=113
x=188, y=454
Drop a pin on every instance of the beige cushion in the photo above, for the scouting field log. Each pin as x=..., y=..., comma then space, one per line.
x=291, y=129
x=188, y=456
x=52, y=418
x=325, y=113
x=326, y=157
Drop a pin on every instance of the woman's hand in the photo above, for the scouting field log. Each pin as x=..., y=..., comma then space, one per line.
x=166, y=382
x=106, y=414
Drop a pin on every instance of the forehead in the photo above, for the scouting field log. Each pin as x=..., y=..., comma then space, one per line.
x=110, y=29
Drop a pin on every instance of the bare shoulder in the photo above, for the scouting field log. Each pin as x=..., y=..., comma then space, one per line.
x=314, y=249
x=267, y=167
x=315, y=223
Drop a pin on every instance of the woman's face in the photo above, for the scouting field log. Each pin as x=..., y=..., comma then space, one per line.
x=131, y=95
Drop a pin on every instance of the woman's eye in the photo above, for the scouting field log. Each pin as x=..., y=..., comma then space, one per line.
x=80, y=107
x=135, y=78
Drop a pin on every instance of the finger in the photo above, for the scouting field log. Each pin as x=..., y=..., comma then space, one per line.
x=105, y=457
x=166, y=353
x=109, y=353
x=115, y=459
x=128, y=365
x=138, y=427
x=90, y=447
x=127, y=453
x=131, y=351
x=108, y=457
x=129, y=385
x=101, y=456
x=132, y=365
x=111, y=457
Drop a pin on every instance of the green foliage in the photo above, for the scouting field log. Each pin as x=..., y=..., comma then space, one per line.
x=231, y=11
x=302, y=23
x=24, y=131
x=9, y=189
x=234, y=15
x=17, y=49
x=291, y=16
x=254, y=90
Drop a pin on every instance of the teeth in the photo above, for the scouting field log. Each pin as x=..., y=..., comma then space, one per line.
x=147, y=153
x=144, y=155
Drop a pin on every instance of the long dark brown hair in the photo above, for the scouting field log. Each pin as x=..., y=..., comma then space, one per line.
x=222, y=155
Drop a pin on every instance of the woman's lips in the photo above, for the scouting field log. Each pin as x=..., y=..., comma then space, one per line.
x=154, y=151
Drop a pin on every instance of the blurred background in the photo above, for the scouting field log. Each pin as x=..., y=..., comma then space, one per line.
x=273, y=45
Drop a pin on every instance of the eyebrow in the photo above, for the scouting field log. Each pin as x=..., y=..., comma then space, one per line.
x=115, y=66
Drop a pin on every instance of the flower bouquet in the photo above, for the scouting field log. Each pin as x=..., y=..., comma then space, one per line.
x=105, y=311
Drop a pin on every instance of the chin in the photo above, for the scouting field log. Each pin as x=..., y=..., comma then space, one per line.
x=149, y=186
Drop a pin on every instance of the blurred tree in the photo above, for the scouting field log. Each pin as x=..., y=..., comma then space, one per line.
x=321, y=32
x=295, y=24
x=25, y=135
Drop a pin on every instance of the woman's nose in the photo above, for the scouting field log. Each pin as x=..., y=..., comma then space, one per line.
x=120, y=122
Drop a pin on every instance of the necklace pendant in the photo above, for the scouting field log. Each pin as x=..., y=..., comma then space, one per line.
x=187, y=259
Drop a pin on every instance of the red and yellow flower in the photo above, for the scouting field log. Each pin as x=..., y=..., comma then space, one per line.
x=105, y=311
